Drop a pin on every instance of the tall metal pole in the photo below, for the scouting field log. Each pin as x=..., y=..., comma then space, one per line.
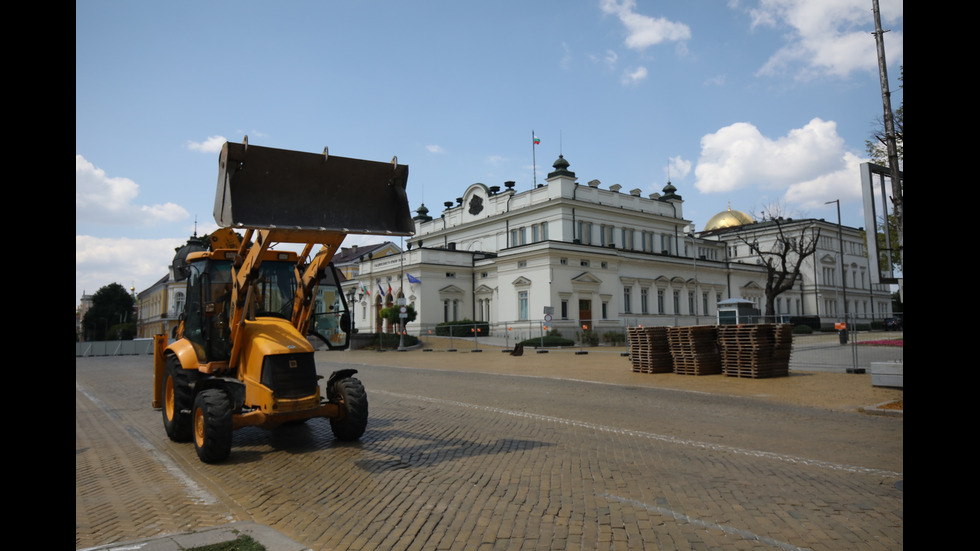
x=890, y=138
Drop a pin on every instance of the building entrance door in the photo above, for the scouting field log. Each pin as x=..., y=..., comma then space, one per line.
x=585, y=313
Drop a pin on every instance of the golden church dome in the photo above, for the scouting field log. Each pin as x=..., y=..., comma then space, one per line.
x=728, y=219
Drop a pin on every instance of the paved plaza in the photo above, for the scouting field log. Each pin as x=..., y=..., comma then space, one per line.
x=484, y=450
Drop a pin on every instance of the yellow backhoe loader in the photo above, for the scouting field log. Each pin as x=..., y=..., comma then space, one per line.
x=241, y=355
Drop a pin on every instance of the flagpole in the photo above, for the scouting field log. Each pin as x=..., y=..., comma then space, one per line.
x=534, y=162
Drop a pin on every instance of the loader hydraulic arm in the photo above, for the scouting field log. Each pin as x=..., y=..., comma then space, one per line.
x=245, y=269
x=308, y=279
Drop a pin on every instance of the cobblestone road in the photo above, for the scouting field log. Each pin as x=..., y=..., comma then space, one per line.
x=484, y=461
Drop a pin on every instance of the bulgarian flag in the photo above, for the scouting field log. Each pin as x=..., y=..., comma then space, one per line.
x=537, y=141
x=364, y=290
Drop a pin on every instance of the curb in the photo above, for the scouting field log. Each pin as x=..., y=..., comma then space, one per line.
x=269, y=538
x=885, y=412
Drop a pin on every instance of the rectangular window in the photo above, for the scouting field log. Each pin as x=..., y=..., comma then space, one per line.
x=677, y=302
x=644, y=301
x=523, y=236
x=544, y=231
x=704, y=302
x=627, y=238
x=522, y=305
x=535, y=236
x=608, y=235
x=627, y=300
x=660, y=301
x=564, y=309
x=690, y=302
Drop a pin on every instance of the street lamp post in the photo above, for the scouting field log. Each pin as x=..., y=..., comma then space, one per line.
x=840, y=239
x=694, y=250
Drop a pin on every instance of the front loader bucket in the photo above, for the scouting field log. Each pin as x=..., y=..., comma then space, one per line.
x=266, y=188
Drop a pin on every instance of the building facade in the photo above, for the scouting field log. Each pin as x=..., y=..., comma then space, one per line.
x=570, y=256
x=161, y=304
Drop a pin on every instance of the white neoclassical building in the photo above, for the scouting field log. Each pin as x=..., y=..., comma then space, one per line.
x=567, y=255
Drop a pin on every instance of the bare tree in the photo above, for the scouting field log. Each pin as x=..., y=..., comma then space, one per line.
x=781, y=253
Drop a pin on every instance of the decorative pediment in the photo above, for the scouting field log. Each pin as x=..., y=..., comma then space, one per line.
x=586, y=277
x=484, y=290
x=450, y=290
x=521, y=282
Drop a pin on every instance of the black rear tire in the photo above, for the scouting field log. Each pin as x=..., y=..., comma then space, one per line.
x=212, y=425
x=178, y=398
x=350, y=393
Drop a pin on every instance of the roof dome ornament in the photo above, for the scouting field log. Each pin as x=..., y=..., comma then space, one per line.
x=423, y=214
x=728, y=219
x=670, y=193
x=561, y=168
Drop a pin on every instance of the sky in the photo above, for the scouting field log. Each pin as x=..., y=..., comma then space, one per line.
x=752, y=104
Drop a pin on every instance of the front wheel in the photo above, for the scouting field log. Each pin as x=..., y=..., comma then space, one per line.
x=350, y=394
x=178, y=397
x=212, y=425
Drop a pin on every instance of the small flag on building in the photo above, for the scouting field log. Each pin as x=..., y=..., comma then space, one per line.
x=365, y=290
x=381, y=289
x=413, y=279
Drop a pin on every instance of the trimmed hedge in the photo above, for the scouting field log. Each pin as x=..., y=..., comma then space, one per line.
x=463, y=328
x=548, y=341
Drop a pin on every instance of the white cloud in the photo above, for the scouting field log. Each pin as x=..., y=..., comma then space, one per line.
x=678, y=167
x=644, y=31
x=135, y=263
x=809, y=165
x=717, y=80
x=211, y=145
x=634, y=76
x=843, y=184
x=435, y=149
x=830, y=37
x=110, y=200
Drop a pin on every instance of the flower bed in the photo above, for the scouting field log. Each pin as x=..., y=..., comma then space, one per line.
x=894, y=342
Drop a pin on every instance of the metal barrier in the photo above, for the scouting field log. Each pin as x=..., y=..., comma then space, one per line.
x=136, y=347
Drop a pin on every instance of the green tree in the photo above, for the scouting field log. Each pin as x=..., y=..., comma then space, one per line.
x=391, y=314
x=111, y=314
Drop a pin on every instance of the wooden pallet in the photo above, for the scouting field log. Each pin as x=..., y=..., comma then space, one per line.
x=755, y=351
x=695, y=350
x=649, y=350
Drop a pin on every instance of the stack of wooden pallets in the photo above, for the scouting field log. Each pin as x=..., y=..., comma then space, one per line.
x=756, y=351
x=649, y=350
x=695, y=350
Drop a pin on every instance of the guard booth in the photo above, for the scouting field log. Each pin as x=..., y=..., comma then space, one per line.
x=736, y=311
